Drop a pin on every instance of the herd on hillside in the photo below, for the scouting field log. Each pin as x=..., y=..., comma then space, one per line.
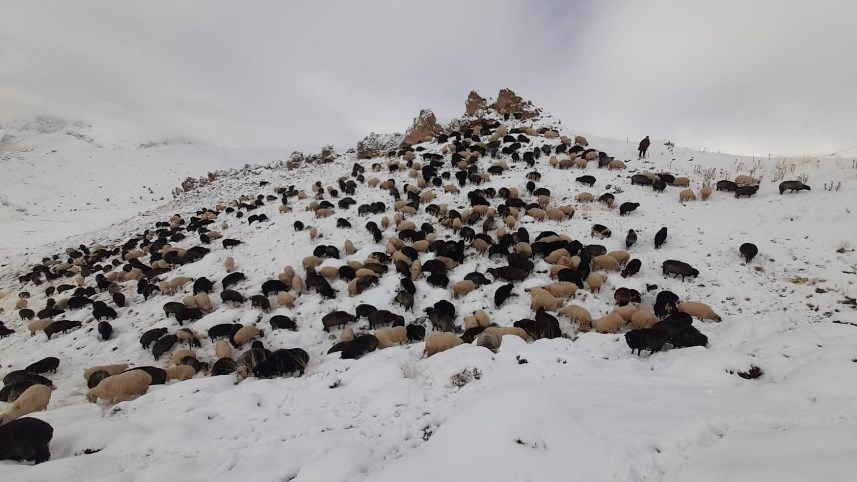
x=488, y=223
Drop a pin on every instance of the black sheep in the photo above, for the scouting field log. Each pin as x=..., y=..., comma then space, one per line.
x=188, y=314
x=793, y=186
x=666, y=302
x=359, y=346
x=229, y=243
x=105, y=329
x=101, y=310
x=405, y=299
x=641, y=180
x=27, y=314
x=502, y=293
x=632, y=268
x=440, y=320
x=630, y=238
x=26, y=439
x=12, y=391
x=645, y=339
x=726, y=185
x=415, y=332
x=283, y=322
x=408, y=285
x=232, y=279
x=18, y=376
x=231, y=296
x=151, y=336
x=336, y=318
x=364, y=310
x=748, y=251
x=273, y=286
x=623, y=296
x=202, y=285
x=224, y=366
x=4, y=332
x=659, y=186
x=159, y=375
x=163, y=345
x=192, y=362
x=262, y=302
x=679, y=268
x=44, y=365
x=660, y=237
x=382, y=317
x=95, y=378
x=60, y=326
x=590, y=180
x=78, y=302
x=282, y=362
x=119, y=299
x=745, y=191
x=680, y=334
x=626, y=208
x=471, y=334
x=508, y=273
x=217, y=331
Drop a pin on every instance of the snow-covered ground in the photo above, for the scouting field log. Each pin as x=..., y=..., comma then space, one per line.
x=580, y=407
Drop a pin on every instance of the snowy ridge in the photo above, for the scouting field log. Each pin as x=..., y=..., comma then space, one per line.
x=579, y=407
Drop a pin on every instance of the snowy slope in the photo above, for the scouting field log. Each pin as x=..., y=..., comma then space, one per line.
x=575, y=408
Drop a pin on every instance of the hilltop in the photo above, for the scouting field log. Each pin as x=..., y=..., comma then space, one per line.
x=579, y=406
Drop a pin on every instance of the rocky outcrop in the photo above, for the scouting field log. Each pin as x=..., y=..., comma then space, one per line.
x=511, y=103
x=474, y=104
x=424, y=128
x=377, y=145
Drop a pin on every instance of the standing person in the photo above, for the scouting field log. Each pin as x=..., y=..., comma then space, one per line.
x=644, y=146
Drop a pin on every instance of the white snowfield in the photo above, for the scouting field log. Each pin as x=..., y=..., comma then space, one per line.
x=577, y=408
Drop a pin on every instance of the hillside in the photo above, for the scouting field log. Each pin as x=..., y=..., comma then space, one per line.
x=576, y=407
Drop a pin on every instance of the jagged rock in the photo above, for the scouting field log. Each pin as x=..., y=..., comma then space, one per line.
x=424, y=128
x=509, y=103
x=376, y=145
x=474, y=103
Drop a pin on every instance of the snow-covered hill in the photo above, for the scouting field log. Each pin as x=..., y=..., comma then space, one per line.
x=580, y=407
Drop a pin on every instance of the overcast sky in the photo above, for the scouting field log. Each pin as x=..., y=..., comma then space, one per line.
x=747, y=77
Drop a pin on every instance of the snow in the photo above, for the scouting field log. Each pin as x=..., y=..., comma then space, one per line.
x=575, y=408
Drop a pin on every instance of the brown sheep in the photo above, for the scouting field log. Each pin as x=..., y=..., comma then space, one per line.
x=705, y=193
x=222, y=349
x=747, y=181
x=626, y=312
x=594, y=281
x=578, y=314
x=439, y=342
x=313, y=233
x=489, y=339
x=562, y=289
x=329, y=272
x=568, y=210
x=297, y=285
x=177, y=356
x=681, y=182
x=388, y=337
x=121, y=387
x=581, y=141
x=180, y=373
x=421, y=246
x=21, y=303
x=311, y=261
x=643, y=318
x=245, y=334
x=556, y=255
x=605, y=262
x=229, y=264
x=686, y=195
x=621, y=256
x=585, y=197
x=549, y=303
x=555, y=214
x=34, y=399
x=536, y=213
x=611, y=323
x=698, y=310
x=349, y=247
x=462, y=288
x=615, y=165
x=38, y=325
x=509, y=330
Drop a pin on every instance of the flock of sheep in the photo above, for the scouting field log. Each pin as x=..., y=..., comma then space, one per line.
x=487, y=222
